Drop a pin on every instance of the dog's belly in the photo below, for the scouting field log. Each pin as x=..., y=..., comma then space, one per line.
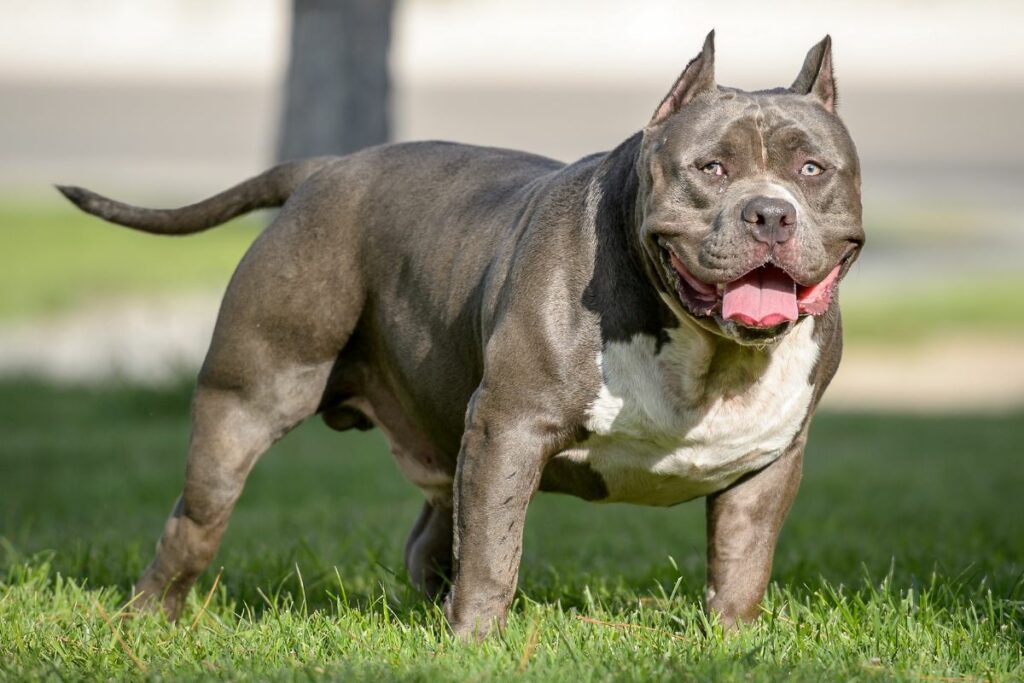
x=657, y=440
x=417, y=457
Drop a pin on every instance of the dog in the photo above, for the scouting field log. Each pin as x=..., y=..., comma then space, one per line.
x=648, y=325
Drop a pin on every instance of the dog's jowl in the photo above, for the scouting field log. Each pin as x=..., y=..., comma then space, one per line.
x=648, y=325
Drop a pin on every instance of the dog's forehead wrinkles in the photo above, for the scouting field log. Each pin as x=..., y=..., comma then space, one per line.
x=759, y=124
x=812, y=128
x=704, y=130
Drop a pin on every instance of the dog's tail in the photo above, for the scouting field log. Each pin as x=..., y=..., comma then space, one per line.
x=269, y=189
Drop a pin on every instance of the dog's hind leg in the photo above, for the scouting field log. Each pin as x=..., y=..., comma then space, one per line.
x=232, y=427
x=428, y=550
x=276, y=339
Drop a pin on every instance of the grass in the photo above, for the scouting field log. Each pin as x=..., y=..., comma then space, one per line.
x=903, y=559
x=54, y=257
x=986, y=304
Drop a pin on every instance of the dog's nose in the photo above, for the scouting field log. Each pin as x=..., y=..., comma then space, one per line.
x=771, y=220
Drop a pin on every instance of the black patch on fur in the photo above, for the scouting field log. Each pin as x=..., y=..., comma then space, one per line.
x=579, y=479
x=620, y=292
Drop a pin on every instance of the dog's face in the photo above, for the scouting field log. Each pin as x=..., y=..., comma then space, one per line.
x=750, y=202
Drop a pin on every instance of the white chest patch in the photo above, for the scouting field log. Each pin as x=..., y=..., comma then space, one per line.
x=683, y=421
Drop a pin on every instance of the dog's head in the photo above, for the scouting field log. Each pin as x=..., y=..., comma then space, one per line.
x=749, y=203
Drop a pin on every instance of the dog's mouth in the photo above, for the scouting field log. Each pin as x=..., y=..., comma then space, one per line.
x=764, y=298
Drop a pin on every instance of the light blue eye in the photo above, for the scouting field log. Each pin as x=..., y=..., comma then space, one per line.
x=713, y=168
x=811, y=169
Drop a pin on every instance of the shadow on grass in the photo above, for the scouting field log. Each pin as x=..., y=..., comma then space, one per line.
x=910, y=502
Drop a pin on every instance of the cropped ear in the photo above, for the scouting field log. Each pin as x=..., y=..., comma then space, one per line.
x=816, y=75
x=697, y=77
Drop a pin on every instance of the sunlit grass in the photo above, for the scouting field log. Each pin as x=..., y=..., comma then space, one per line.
x=903, y=559
x=979, y=304
x=56, y=258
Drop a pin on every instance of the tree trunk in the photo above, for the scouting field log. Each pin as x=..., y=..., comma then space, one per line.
x=337, y=88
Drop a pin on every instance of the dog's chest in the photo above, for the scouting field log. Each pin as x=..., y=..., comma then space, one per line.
x=676, y=422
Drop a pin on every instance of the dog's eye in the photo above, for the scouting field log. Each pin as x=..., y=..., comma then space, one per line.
x=811, y=169
x=713, y=168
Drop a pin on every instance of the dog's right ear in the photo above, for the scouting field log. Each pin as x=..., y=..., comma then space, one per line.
x=816, y=77
x=697, y=77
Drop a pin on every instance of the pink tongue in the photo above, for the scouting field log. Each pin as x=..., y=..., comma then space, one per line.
x=762, y=298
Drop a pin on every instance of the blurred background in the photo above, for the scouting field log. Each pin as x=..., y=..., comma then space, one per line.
x=168, y=101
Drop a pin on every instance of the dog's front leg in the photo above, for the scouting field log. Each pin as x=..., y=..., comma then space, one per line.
x=743, y=524
x=500, y=463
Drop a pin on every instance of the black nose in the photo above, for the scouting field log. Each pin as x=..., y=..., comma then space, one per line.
x=771, y=220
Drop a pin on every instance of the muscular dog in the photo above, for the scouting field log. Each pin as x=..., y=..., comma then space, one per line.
x=649, y=325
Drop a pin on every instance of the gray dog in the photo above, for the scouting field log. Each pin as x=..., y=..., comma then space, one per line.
x=647, y=325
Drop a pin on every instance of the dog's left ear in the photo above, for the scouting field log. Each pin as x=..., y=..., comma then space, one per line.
x=816, y=75
x=697, y=77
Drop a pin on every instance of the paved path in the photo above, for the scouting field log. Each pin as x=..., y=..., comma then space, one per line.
x=918, y=147
x=156, y=341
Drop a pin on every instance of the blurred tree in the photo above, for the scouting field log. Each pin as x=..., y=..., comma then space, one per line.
x=337, y=87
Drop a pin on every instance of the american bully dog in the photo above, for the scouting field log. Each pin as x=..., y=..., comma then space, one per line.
x=648, y=325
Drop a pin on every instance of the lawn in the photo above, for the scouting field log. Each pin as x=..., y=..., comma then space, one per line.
x=53, y=257
x=903, y=559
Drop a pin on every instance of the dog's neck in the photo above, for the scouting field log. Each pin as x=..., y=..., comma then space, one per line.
x=620, y=291
x=617, y=182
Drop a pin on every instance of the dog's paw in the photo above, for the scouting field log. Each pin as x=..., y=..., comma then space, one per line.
x=473, y=626
x=153, y=596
